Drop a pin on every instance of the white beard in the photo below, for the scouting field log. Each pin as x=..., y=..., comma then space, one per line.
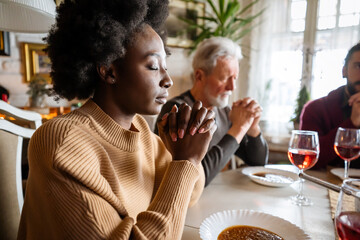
x=219, y=101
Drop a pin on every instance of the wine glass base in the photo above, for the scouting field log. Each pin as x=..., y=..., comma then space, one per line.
x=301, y=200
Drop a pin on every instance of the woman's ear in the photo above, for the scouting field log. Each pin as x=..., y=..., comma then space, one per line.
x=106, y=74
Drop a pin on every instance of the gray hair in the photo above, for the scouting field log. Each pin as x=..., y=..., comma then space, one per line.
x=211, y=49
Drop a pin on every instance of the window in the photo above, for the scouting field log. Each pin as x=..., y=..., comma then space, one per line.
x=337, y=31
x=301, y=43
x=298, y=14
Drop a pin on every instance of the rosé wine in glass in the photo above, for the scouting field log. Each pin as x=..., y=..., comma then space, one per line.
x=347, y=215
x=303, y=152
x=347, y=153
x=302, y=159
x=347, y=146
x=348, y=225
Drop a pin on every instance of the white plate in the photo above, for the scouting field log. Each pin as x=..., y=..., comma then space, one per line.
x=212, y=226
x=353, y=173
x=273, y=177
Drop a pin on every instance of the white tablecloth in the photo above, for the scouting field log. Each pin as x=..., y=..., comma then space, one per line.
x=233, y=190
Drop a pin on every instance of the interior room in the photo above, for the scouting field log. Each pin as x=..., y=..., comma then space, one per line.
x=292, y=43
x=293, y=52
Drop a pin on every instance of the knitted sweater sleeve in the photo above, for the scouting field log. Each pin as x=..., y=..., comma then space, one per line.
x=70, y=197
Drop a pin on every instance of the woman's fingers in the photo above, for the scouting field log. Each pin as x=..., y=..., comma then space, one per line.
x=196, y=108
x=183, y=119
x=198, y=120
x=213, y=128
x=208, y=121
x=163, y=121
x=178, y=120
x=207, y=125
x=172, y=120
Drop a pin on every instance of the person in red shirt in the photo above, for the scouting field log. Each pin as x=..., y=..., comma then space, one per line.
x=340, y=108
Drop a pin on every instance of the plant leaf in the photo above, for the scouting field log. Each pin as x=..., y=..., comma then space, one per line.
x=214, y=9
x=228, y=19
x=247, y=7
x=221, y=6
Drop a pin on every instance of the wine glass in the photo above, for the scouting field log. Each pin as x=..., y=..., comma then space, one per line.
x=303, y=153
x=347, y=215
x=347, y=146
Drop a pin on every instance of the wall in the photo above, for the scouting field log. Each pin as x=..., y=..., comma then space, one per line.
x=12, y=70
x=178, y=63
x=179, y=67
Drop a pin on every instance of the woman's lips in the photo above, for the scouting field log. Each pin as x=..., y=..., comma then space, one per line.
x=161, y=100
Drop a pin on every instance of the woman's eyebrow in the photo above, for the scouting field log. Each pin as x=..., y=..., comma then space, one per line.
x=155, y=54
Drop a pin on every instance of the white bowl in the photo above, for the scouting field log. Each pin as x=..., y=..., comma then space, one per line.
x=212, y=226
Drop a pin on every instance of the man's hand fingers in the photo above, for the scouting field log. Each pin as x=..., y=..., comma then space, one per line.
x=246, y=101
x=354, y=98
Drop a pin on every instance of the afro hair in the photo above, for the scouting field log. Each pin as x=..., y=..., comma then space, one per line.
x=92, y=33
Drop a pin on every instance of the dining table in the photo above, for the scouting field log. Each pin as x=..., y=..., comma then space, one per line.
x=233, y=190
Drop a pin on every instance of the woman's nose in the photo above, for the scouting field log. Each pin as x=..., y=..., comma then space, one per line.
x=166, y=81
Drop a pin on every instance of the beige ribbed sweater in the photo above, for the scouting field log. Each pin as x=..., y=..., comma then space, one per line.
x=91, y=179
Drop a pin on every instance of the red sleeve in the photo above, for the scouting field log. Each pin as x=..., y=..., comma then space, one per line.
x=314, y=117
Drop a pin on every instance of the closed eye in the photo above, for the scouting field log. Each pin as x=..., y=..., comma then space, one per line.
x=153, y=68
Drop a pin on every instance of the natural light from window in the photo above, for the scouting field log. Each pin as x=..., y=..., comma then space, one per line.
x=337, y=30
x=334, y=16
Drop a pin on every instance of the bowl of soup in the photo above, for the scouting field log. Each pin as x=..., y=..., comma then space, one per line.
x=245, y=224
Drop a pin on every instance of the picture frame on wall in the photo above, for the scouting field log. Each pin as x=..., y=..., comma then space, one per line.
x=36, y=61
x=178, y=33
x=4, y=43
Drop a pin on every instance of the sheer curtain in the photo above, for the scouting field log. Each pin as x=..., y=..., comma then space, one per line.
x=276, y=65
x=338, y=30
x=326, y=29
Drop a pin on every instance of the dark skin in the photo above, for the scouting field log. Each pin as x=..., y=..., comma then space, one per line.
x=138, y=84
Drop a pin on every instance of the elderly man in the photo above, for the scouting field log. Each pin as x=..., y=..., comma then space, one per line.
x=340, y=108
x=215, y=70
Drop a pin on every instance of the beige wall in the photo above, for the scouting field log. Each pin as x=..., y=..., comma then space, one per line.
x=12, y=70
x=179, y=67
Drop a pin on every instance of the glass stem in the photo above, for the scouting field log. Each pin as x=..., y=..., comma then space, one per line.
x=346, y=169
x=300, y=194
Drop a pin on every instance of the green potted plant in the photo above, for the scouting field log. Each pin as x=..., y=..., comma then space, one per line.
x=303, y=97
x=226, y=19
x=38, y=89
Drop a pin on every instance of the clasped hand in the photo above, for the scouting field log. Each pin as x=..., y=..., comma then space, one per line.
x=354, y=103
x=245, y=116
x=187, y=132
